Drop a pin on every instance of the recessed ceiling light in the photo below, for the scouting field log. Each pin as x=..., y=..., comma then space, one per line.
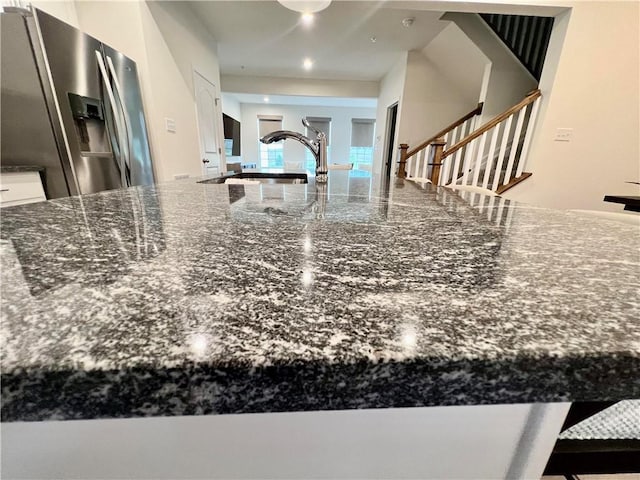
x=307, y=64
x=305, y=6
x=307, y=19
x=266, y=99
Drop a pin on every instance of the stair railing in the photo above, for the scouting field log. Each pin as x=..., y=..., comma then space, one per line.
x=462, y=163
x=415, y=163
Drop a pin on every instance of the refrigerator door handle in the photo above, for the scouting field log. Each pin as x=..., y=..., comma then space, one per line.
x=125, y=114
x=105, y=78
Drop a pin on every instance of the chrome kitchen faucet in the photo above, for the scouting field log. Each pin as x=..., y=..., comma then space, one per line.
x=318, y=146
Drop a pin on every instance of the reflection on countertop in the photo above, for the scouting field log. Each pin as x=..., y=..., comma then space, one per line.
x=188, y=298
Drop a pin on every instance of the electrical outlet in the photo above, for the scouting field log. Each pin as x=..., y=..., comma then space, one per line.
x=170, y=125
x=180, y=176
x=563, y=135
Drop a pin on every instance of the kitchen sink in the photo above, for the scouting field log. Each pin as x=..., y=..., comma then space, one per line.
x=262, y=177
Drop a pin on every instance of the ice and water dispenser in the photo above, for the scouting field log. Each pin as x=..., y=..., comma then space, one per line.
x=96, y=167
x=90, y=124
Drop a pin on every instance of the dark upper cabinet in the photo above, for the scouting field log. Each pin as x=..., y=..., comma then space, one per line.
x=231, y=133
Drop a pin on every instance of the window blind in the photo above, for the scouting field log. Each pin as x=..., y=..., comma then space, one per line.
x=268, y=124
x=362, y=131
x=321, y=123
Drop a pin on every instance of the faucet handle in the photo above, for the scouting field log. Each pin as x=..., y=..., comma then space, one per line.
x=306, y=123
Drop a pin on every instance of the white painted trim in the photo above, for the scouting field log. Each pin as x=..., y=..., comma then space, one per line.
x=491, y=441
x=219, y=133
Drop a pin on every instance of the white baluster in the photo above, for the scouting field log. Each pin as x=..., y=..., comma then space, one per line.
x=444, y=169
x=479, y=156
x=456, y=167
x=503, y=149
x=454, y=134
x=464, y=130
x=425, y=160
x=468, y=157
x=514, y=145
x=416, y=164
x=490, y=159
x=527, y=137
x=469, y=125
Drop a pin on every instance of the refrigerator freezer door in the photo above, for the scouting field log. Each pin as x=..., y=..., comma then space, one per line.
x=71, y=59
x=127, y=89
x=27, y=136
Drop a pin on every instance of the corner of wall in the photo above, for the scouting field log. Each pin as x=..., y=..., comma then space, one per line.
x=391, y=91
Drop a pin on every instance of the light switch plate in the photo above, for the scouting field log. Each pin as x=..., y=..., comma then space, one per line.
x=170, y=124
x=564, y=135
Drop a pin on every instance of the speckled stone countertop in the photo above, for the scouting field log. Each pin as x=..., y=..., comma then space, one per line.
x=187, y=298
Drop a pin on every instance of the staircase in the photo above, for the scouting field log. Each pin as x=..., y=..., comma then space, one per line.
x=489, y=159
x=527, y=37
x=416, y=163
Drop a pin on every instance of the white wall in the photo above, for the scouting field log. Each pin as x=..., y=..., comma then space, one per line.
x=63, y=10
x=594, y=89
x=292, y=118
x=458, y=59
x=178, y=44
x=299, y=86
x=167, y=41
x=509, y=81
x=231, y=106
x=431, y=100
x=391, y=88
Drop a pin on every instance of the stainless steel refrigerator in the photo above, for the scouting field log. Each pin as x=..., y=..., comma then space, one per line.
x=70, y=104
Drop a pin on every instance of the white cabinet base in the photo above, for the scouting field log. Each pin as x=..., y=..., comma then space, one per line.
x=17, y=188
x=498, y=441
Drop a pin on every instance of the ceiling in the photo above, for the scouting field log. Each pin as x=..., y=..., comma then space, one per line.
x=263, y=38
x=305, y=100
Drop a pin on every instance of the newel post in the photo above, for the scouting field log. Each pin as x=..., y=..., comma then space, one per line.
x=402, y=168
x=437, y=159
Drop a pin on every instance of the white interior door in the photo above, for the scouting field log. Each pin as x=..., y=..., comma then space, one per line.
x=206, y=103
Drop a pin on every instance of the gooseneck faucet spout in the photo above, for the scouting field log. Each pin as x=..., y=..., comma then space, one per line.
x=318, y=146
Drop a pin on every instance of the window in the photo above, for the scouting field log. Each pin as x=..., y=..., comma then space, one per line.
x=361, y=153
x=271, y=154
x=324, y=125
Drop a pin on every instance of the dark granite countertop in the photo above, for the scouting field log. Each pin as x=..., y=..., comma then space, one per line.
x=187, y=298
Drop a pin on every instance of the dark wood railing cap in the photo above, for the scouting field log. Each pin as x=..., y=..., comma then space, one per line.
x=443, y=132
x=530, y=98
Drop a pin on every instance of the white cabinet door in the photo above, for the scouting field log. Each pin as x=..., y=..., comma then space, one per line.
x=208, y=125
x=17, y=188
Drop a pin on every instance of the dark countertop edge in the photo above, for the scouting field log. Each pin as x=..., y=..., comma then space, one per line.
x=195, y=389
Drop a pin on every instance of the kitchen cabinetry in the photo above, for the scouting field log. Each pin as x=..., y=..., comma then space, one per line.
x=18, y=188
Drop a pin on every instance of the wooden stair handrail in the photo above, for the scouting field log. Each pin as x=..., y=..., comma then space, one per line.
x=444, y=131
x=530, y=98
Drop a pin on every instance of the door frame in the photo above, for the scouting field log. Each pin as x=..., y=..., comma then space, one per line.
x=218, y=124
x=388, y=152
